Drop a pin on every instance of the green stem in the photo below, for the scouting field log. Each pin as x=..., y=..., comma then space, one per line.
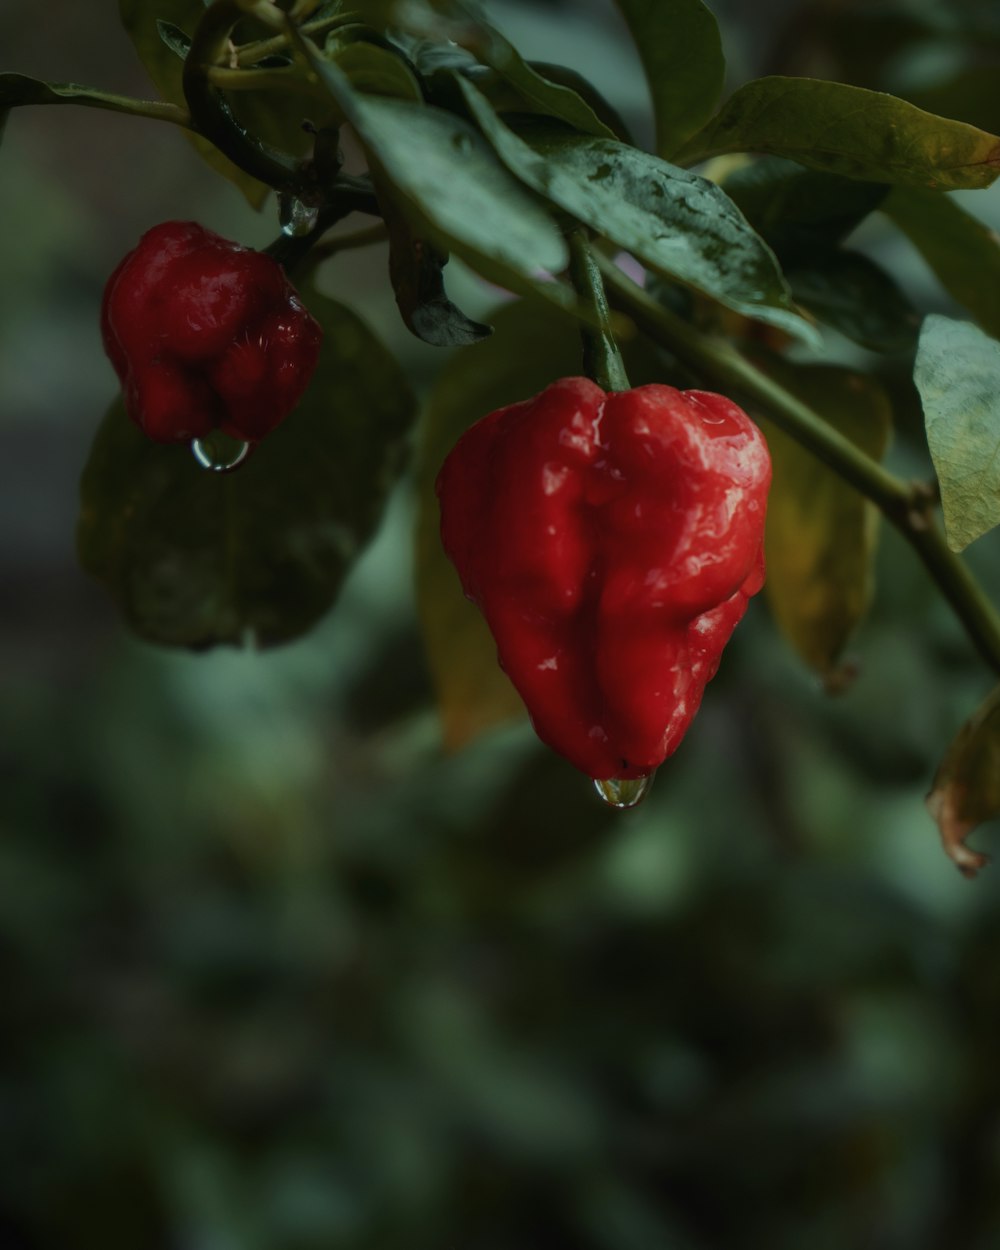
x=907, y=507
x=261, y=49
x=602, y=360
x=258, y=79
x=211, y=115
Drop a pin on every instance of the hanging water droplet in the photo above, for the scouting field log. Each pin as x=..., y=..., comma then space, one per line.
x=220, y=453
x=295, y=215
x=624, y=792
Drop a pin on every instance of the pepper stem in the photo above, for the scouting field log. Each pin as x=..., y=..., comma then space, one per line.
x=602, y=361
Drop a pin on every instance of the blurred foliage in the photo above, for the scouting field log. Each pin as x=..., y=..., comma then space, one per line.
x=280, y=975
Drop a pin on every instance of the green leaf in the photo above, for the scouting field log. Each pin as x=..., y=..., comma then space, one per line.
x=373, y=69
x=681, y=51
x=682, y=226
x=567, y=77
x=821, y=533
x=142, y=23
x=852, y=294
x=455, y=191
x=789, y=204
x=195, y=559
x=962, y=251
x=530, y=348
x=543, y=95
x=850, y=131
x=966, y=789
x=958, y=376
x=18, y=89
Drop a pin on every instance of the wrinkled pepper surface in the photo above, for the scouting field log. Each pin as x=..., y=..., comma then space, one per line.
x=205, y=334
x=612, y=542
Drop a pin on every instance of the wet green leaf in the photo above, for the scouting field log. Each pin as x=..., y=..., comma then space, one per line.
x=821, y=533
x=963, y=252
x=681, y=51
x=966, y=788
x=194, y=558
x=530, y=348
x=850, y=131
x=958, y=376
x=680, y=224
x=486, y=217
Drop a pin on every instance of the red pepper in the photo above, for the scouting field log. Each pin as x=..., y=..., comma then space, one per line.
x=205, y=334
x=612, y=542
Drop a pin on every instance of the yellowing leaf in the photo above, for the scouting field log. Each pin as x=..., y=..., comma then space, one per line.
x=851, y=131
x=821, y=533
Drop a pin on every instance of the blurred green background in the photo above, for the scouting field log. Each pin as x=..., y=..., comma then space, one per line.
x=278, y=975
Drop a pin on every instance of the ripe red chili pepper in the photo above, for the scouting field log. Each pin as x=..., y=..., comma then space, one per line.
x=206, y=334
x=612, y=542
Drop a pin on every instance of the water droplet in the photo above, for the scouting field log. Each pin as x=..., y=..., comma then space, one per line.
x=296, y=216
x=461, y=142
x=624, y=792
x=219, y=453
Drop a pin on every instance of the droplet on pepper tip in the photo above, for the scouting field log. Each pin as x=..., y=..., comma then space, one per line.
x=220, y=454
x=623, y=792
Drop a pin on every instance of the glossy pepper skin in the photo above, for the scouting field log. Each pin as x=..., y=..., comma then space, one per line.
x=206, y=334
x=612, y=542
